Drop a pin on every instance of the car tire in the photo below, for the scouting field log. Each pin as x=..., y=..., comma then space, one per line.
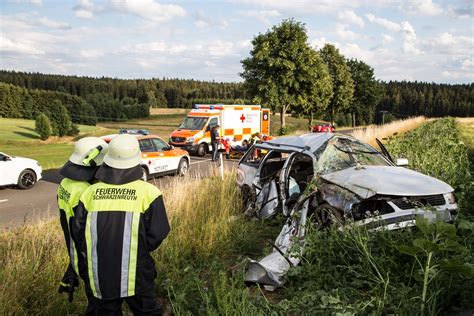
x=26, y=179
x=325, y=216
x=183, y=167
x=145, y=176
x=201, y=150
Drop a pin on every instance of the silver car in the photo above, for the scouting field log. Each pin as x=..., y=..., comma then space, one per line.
x=331, y=178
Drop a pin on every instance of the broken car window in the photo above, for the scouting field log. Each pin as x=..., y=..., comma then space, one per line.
x=342, y=153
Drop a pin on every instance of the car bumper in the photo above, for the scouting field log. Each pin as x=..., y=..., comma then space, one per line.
x=191, y=148
x=406, y=218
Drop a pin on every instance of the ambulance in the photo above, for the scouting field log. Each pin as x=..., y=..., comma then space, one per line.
x=237, y=123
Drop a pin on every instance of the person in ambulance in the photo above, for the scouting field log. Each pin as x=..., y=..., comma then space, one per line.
x=158, y=157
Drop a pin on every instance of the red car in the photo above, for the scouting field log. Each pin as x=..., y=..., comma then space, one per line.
x=323, y=128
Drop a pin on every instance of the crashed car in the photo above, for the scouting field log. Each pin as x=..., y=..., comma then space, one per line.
x=329, y=178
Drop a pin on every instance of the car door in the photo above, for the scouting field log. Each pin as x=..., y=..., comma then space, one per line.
x=8, y=171
x=149, y=155
x=167, y=158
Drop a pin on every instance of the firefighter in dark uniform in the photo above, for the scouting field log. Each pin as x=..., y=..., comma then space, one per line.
x=79, y=172
x=119, y=221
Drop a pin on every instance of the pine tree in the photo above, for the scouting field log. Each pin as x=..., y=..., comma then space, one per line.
x=43, y=126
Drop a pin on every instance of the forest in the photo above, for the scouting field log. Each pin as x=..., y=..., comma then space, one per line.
x=89, y=99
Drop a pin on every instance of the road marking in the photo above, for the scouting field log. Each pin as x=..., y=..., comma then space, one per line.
x=1, y=201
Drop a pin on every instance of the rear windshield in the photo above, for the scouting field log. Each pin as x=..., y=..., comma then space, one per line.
x=193, y=123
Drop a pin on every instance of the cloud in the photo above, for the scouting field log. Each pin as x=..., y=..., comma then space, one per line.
x=85, y=9
x=387, y=24
x=91, y=53
x=264, y=16
x=44, y=21
x=422, y=7
x=350, y=17
x=409, y=42
x=202, y=21
x=387, y=39
x=148, y=9
x=346, y=34
x=35, y=2
x=13, y=45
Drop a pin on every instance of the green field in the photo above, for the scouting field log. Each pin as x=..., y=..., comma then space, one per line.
x=18, y=138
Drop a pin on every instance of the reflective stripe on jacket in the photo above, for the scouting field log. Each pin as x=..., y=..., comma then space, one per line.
x=117, y=226
x=68, y=194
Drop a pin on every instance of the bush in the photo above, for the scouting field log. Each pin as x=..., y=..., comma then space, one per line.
x=74, y=130
x=43, y=126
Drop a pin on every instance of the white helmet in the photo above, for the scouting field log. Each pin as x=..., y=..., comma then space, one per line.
x=89, y=152
x=124, y=152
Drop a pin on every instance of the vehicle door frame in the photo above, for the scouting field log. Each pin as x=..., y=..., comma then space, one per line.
x=284, y=177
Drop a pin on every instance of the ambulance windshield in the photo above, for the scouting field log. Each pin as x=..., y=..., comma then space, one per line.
x=194, y=123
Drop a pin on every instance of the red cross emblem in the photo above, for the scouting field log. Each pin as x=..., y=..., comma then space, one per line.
x=149, y=162
x=242, y=118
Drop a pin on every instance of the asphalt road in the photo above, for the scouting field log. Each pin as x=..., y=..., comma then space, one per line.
x=19, y=207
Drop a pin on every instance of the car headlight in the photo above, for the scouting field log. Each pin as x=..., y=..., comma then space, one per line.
x=450, y=198
x=190, y=140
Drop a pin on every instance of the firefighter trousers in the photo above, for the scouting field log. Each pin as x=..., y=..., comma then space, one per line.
x=139, y=305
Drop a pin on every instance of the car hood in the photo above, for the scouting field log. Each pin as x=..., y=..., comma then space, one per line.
x=184, y=133
x=367, y=181
x=25, y=161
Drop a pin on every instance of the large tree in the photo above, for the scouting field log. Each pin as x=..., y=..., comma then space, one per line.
x=343, y=85
x=282, y=68
x=367, y=92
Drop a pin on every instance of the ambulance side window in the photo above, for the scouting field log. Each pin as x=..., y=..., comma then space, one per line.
x=146, y=146
x=160, y=145
x=213, y=122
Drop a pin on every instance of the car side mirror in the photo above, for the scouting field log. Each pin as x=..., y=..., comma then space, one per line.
x=402, y=162
x=208, y=128
x=171, y=147
x=6, y=158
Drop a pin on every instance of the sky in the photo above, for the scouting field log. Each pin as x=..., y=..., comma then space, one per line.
x=423, y=40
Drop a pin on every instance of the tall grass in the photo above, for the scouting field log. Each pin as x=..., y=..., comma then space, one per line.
x=371, y=132
x=208, y=237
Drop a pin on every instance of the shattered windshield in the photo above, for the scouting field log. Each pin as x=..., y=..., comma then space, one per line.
x=193, y=123
x=343, y=153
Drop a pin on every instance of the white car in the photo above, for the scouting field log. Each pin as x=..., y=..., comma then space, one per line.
x=19, y=171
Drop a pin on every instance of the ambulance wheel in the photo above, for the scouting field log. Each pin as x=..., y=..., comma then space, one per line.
x=183, y=167
x=201, y=150
x=27, y=179
x=145, y=174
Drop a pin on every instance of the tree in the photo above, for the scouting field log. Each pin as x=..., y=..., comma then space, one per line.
x=279, y=71
x=343, y=85
x=318, y=89
x=43, y=126
x=367, y=92
x=60, y=120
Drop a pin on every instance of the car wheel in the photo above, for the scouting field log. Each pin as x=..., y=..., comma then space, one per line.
x=248, y=201
x=183, y=167
x=27, y=179
x=201, y=150
x=145, y=174
x=325, y=216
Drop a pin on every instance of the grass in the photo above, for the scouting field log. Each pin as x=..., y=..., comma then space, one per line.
x=200, y=265
x=371, y=132
x=19, y=138
x=24, y=130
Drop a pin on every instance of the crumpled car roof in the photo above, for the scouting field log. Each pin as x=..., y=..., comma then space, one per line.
x=310, y=142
